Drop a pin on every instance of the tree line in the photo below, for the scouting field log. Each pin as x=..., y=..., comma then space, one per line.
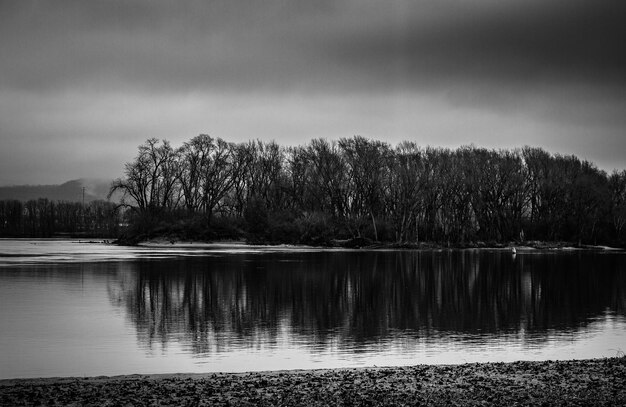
x=47, y=218
x=357, y=188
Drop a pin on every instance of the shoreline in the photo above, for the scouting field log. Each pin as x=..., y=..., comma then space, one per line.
x=591, y=382
x=353, y=244
x=518, y=246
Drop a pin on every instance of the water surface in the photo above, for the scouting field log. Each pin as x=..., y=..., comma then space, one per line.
x=76, y=309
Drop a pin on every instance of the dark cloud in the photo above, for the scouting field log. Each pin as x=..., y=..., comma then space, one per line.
x=510, y=43
x=292, y=70
x=153, y=45
x=251, y=45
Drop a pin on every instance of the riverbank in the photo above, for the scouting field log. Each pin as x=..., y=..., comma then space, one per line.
x=598, y=382
x=362, y=243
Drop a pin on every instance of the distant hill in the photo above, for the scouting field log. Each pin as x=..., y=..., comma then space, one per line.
x=71, y=191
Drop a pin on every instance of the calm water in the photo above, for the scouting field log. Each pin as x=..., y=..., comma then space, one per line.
x=74, y=309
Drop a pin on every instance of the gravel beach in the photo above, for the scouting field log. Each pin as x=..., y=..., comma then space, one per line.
x=598, y=382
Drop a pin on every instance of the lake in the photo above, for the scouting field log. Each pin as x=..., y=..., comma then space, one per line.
x=77, y=309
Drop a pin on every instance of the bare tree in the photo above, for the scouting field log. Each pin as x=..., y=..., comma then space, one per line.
x=151, y=180
x=365, y=161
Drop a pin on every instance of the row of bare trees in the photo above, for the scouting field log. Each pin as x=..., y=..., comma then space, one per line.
x=356, y=187
x=46, y=218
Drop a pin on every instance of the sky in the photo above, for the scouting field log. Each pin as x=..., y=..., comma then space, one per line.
x=84, y=83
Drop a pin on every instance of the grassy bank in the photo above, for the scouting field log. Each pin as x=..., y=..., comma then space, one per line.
x=599, y=382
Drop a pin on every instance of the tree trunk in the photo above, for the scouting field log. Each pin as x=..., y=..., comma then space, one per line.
x=374, y=224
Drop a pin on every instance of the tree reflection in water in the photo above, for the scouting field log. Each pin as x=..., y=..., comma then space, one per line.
x=214, y=303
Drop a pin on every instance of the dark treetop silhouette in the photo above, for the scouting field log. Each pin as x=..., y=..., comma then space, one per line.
x=369, y=191
x=354, y=190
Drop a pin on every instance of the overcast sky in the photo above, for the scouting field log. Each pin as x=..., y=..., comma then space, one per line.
x=83, y=83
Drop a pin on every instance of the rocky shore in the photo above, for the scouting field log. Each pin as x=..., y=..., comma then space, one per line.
x=598, y=382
